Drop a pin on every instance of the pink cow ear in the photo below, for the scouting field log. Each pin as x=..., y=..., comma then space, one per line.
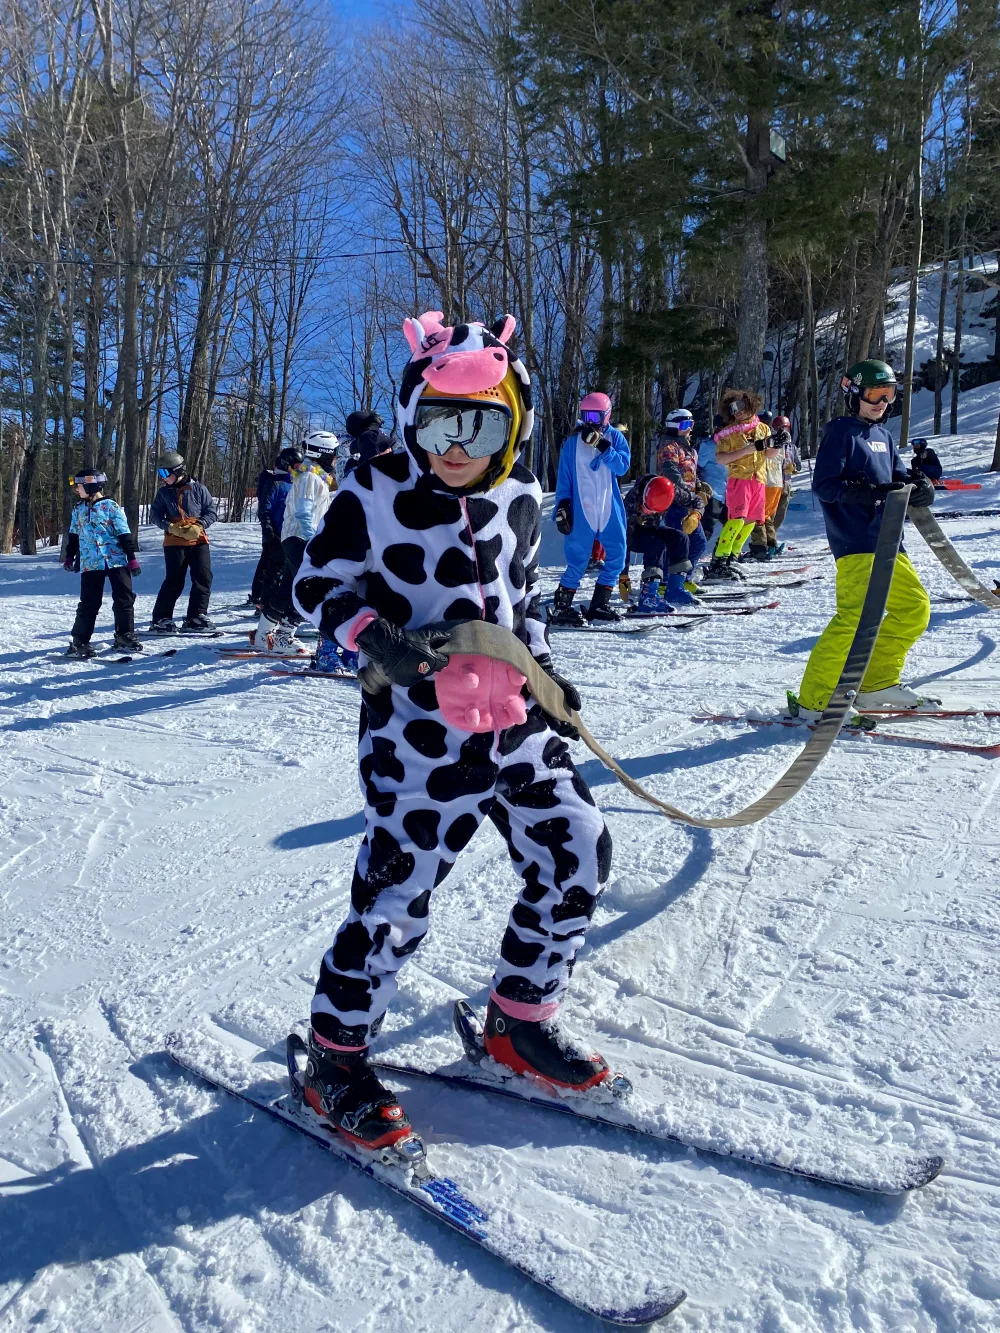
x=432, y=321
x=503, y=327
x=414, y=332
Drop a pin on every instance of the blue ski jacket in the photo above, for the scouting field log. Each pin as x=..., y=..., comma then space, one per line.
x=99, y=534
x=853, y=451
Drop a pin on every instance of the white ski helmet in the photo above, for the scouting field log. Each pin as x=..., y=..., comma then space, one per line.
x=319, y=444
x=680, y=419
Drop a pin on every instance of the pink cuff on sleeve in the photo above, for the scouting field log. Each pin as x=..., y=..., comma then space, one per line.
x=347, y=635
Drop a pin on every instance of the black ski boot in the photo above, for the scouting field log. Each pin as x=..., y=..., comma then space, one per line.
x=736, y=574
x=600, y=605
x=197, y=625
x=760, y=554
x=165, y=625
x=718, y=571
x=342, y=1087
x=540, y=1051
x=126, y=642
x=563, y=610
x=77, y=648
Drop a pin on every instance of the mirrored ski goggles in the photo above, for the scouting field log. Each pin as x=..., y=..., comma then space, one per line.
x=88, y=479
x=481, y=429
x=164, y=472
x=882, y=393
x=591, y=416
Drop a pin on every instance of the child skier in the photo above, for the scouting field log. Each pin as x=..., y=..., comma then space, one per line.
x=270, y=635
x=449, y=530
x=677, y=459
x=588, y=504
x=185, y=510
x=101, y=546
x=763, y=538
x=856, y=467
x=740, y=444
x=663, y=547
x=926, y=461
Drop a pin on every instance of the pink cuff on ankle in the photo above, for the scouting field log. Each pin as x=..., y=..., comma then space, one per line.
x=332, y=1045
x=347, y=635
x=530, y=1013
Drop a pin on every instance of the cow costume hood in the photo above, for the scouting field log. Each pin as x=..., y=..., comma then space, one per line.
x=465, y=361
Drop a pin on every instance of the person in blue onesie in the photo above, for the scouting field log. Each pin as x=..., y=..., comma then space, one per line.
x=589, y=506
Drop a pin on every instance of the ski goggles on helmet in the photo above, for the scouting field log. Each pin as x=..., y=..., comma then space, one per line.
x=88, y=479
x=592, y=416
x=879, y=393
x=479, y=428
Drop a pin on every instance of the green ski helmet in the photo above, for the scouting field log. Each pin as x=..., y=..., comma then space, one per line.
x=864, y=380
x=168, y=463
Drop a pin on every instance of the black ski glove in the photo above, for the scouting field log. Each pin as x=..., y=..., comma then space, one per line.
x=858, y=493
x=594, y=436
x=922, y=494
x=400, y=656
x=564, y=517
x=570, y=693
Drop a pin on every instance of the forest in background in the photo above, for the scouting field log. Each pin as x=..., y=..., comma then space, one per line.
x=214, y=215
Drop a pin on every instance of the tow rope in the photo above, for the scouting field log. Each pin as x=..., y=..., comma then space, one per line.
x=478, y=637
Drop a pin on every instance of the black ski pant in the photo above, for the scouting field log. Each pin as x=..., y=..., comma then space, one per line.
x=667, y=549
x=267, y=547
x=277, y=603
x=92, y=596
x=180, y=559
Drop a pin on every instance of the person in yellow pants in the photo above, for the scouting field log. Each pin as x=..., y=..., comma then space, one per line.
x=907, y=612
x=858, y=464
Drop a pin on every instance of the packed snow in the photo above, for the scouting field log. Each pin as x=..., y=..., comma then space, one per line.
x=179, y=834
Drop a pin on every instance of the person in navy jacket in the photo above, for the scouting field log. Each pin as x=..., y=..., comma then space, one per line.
x=857, y=466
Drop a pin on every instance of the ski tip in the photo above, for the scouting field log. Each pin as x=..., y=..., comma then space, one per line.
x=925, y=1169
x=641, y=1316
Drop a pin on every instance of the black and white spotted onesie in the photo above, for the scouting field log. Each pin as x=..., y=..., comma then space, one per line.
x=396, y=542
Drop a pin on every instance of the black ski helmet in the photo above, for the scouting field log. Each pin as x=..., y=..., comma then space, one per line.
x=359, y=421
x=91, y=480
x=766, y=417
x=289, y=457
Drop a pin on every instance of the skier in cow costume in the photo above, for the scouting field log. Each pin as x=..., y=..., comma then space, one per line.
x=448, y=530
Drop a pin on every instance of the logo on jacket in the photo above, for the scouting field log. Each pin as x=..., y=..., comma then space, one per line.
x=878, y=446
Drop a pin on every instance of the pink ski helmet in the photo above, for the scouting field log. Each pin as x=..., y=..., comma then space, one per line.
x=595, y=409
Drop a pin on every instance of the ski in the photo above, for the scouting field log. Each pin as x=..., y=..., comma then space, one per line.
x=411, y=1177
x=640, y=630
x=862, y=1171
x=887, y=737
x=775, y=573
x=711, y=596
x=968, y=513
x=186, y=634
x=915, y=715
x=705, y=615
x=253, y=654
x=956, y=484
x=312, y=671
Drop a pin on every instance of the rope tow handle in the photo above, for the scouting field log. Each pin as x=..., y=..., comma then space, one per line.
x=929, y=528
x=480, y=638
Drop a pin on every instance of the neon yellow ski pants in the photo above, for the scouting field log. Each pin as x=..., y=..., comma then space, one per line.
x=907, y=613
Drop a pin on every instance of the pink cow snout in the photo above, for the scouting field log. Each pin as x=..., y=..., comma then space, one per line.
x=479, y=694
x=467, y=372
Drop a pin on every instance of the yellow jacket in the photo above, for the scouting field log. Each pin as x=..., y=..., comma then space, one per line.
x=731, y=439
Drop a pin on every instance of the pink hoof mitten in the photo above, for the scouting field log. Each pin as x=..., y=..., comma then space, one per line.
x=479, y=694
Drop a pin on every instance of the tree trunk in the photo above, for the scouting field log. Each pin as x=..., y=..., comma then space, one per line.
x=15, y=438
x=128, y=360
x=810, y=370
x=915, y=257
x=39, y=411
x=956, y=369
x=752, y=323
x=91, y=368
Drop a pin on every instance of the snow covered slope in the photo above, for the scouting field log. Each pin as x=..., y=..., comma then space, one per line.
x=178, y=836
